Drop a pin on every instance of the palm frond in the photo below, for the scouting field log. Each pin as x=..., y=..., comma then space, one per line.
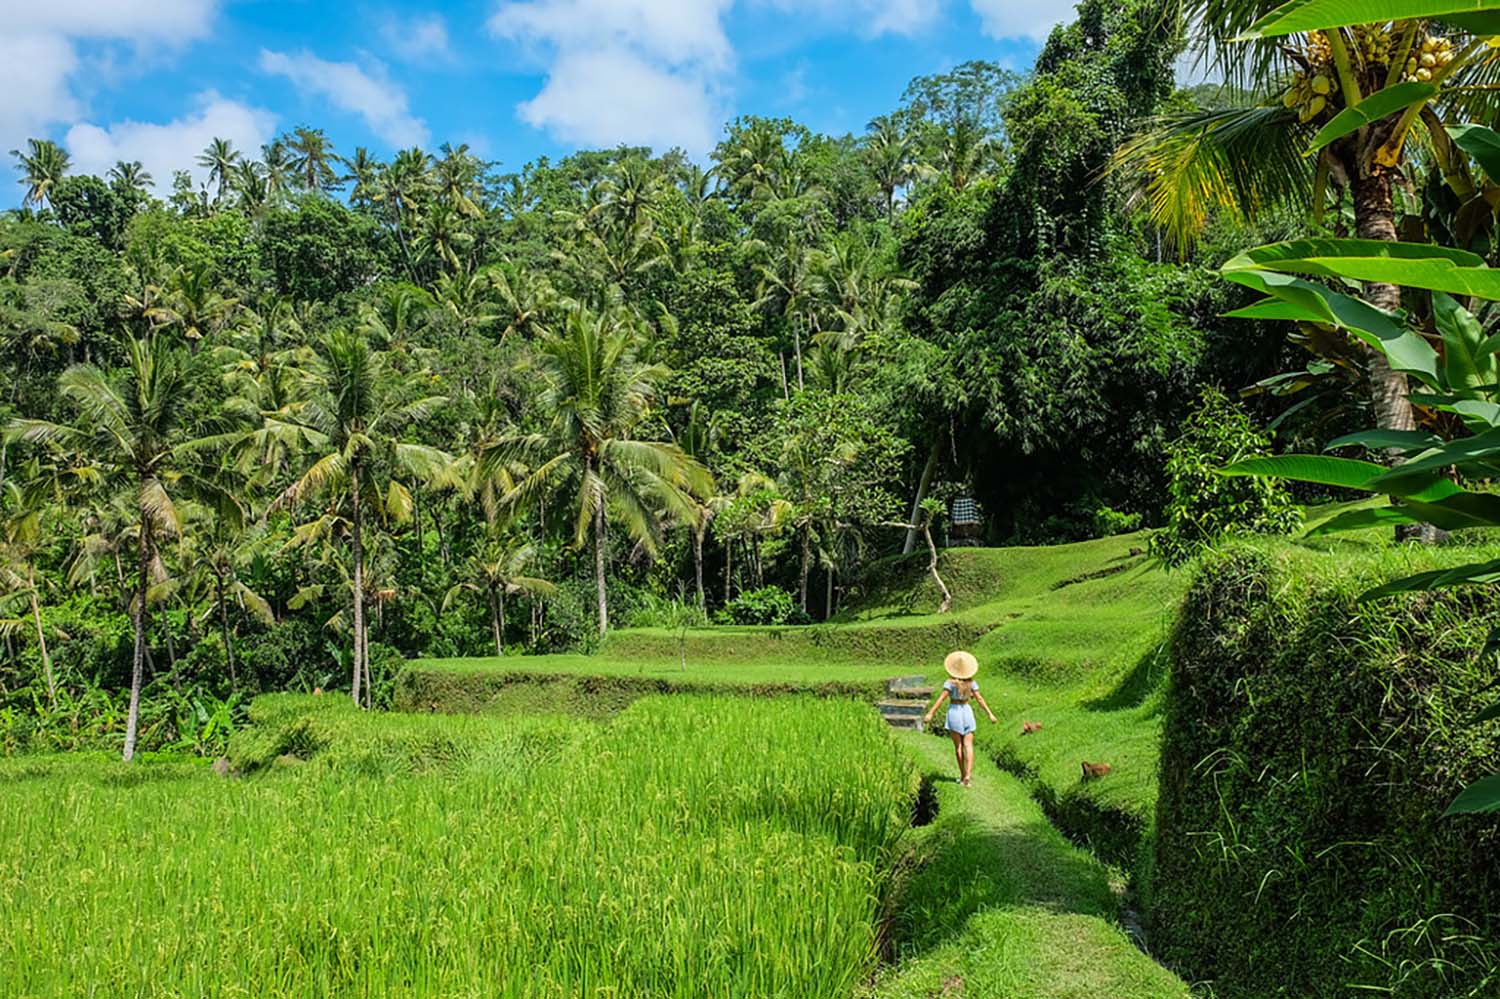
x=1240, y=161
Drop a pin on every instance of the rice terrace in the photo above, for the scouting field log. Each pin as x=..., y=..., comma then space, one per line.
x=632, y=498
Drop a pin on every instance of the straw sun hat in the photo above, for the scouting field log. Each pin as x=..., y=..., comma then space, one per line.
x=961, y=665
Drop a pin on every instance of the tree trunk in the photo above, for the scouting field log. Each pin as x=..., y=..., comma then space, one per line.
x=923, y=484
x=806, y=566
x=1375, y=218
x=364, y=654
x=599, y=539
x=138, y=615
x=224, y=627
x=728, y=567
x=932, y=567
x=495, y=629
x=698, y=532
x=358, y=555
x=41, y=637
x=828, y=597
x=502, y=620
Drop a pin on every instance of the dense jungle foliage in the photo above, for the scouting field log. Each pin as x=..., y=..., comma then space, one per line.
x=461, y=410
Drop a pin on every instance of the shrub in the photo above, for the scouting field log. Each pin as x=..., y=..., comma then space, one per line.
x=1203, y=505
x=767, y=605
x=1311, y=745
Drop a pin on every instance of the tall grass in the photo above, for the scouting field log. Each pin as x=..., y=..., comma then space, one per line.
x=696, y=846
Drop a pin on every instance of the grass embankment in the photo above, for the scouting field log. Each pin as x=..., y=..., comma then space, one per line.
x=1312, y=742
x=639, y=865
x=1000, y=905
x=1067, y=635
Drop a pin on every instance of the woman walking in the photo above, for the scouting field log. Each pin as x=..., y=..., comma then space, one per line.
x=959, y=691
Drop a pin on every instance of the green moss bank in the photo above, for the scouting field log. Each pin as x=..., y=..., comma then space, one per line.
x=1311, y=745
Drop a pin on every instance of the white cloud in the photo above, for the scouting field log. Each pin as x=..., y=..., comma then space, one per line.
x=34, y=71
x=613, y=96
x=39, y=56
x=417, y=39
x=869, y=18
x=1021, y=18
x=647, y=72
x=381, y=103
x=675, y=32
x=173, y=146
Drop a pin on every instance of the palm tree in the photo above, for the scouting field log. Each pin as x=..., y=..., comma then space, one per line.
x=26, y=507
x=276, y=170
x=353, y=425
x=500, y=571
x=42, y=166
x=312, y=159
x=522, y=298
x=194, y=303
x=364, y=172
x=223, y=543
x=404, y=185
x=456, y=179
x=1249, y=157
x=596, y=395
x=131, y=177
x=892, y=155
x=219, y=158
x=790, y=284
x=131, y=431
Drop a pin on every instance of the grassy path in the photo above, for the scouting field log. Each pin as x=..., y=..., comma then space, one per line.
x=1003, y=907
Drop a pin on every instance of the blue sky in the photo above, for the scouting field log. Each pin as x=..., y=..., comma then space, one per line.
x=516, y=79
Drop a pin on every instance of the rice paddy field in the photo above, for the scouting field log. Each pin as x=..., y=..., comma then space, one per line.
x=693, y=846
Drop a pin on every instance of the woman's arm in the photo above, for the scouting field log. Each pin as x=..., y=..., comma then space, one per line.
x=980, y=698
x=941, y=697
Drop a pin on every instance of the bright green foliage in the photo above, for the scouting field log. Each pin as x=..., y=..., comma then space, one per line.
x=767, y=605
x=1206, y=505
x=756, y=872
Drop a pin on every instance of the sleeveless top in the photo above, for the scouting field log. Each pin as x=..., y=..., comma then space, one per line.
x=952, y=688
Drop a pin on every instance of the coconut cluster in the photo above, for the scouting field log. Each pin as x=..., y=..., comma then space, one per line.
x=1433, y=54
x=1312, y=88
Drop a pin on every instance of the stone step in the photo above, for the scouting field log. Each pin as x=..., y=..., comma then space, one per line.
x=907, y=722
x=908, y=686
x=902, y=708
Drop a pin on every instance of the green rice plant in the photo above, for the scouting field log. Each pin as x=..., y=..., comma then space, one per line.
x=696, y=846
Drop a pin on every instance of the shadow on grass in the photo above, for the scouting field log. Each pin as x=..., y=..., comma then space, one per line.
x=964, y=867
x=1136, y=686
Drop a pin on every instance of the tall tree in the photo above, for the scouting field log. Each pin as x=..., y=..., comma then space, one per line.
x=1250, y=156
x=311, y=159
x=42, y=166
x=131, y=430
x=352, y=426
x=219, y=158
x=500, y=570
x=596, y=396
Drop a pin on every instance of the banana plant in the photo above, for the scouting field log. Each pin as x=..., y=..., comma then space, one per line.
x=1457, y=367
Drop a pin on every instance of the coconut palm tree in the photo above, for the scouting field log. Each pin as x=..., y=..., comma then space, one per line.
x=596, y=396
x=130, y=431
x=498, y=571
x=27, y=503
x=1250, y=157
x=364, y=173
x=130, y=177
x=42, y=166
x=219, y=158
x=351, y=428
x=790, y=285
x=276, y=170
x=893, y=158
x=311, y=159
x=195, y=304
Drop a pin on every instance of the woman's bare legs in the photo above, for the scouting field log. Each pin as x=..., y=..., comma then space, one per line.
x=958, y=752
x=968, y=757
